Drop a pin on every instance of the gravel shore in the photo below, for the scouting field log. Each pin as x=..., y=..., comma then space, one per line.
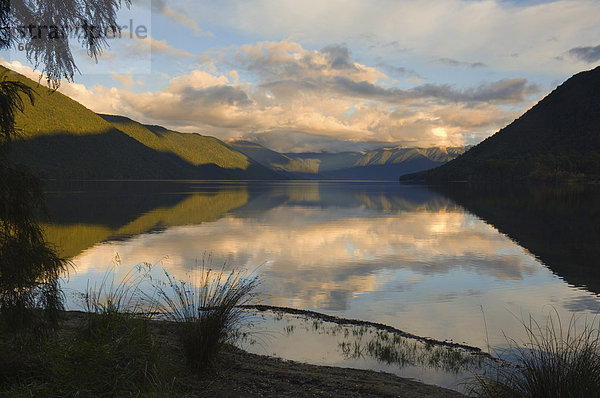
x=240, y=374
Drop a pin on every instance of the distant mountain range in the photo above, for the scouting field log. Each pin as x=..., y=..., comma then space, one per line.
x=62, y=139
x=380, y=164
x=557, y=139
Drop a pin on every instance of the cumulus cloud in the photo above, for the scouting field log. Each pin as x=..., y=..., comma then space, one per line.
x=304, y=93
x=502, y=91
x=588, y=54
x=214, y=96
x=286, y=68
x=303, y=99
x=284, y=60
x=448, y=29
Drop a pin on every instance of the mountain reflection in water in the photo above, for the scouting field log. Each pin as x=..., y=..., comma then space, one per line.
x=424, y=260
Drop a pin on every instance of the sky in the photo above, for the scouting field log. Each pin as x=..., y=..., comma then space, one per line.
x=335, y=75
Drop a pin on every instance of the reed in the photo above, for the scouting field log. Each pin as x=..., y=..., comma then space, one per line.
x=554, y=361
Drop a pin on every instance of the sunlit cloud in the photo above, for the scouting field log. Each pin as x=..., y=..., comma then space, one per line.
x=324, y=94
x=486, y=32
x=335, y=75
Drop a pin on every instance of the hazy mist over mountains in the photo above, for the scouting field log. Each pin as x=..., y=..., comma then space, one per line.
x=380, y=164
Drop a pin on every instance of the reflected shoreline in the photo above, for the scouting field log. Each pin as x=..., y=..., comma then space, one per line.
x=556, y=223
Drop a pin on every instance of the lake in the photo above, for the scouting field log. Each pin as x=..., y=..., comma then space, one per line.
x=460, y=263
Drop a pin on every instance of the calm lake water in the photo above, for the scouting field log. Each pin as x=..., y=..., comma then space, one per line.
x=436, y=262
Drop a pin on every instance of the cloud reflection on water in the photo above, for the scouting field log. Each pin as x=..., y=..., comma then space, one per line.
x=406, y=256
x=319, y=258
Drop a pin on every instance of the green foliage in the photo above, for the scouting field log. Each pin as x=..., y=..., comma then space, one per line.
x=110, y=352
x=117, y=355
x=113, y=354
x=29, y=268
x=208, y=311
x=549, y=167
x=59, y=21
x=11, y=101
x=114, y=349
x=193, y=148
x=52, y=112
x=553, y=362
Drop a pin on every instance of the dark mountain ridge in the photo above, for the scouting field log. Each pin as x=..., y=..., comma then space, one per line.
x=558, y=138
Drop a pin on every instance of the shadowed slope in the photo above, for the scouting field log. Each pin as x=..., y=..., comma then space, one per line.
x=60, y=138
x=558, y=138
x=193, y=148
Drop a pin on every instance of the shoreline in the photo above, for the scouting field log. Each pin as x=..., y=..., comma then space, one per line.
x=238, y=373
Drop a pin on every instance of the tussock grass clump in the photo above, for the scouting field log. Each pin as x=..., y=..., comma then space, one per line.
x=116, y=350
x=207, y=310
x=111, y=351
x=553, y=362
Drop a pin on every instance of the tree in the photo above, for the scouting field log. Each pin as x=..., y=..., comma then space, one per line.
x=44, y=29
x=29, y=268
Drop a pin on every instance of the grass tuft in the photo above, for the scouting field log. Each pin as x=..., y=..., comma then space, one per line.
x=115, y=348
x=208, y=311
x=553, y=362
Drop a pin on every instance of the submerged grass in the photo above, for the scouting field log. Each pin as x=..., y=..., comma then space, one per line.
x=207, y=311
x=391, y=348
x=553, y=362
